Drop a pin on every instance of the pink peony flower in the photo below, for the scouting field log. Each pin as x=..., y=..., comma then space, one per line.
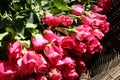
x=86, y=20
x=96, y=21
x=93, y=45
x=27, y=64
x=55, y=74
x=59, y=65
x=77, y=9
x=65, y=20
x=50, y=36
x=82, y=32
x=93, y=19
x=74, y=47
x=39, y=42
x=94, y=15
x=97, y=33
x=79, y=50
x=81, y=67
x=15, y=51
x=7, y=70
x=105, y=4
x=70, y=74
x=97, y=9
x=84, y=27
x=67, y=42
x=54, y=21
x=69, y=63
x=47, y=15
x=51, y=20
x=43, y=65
x=104, y=27
x=53, y=53
x=102, y=17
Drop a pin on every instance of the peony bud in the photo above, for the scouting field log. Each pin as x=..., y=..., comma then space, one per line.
x=43, y=65
x=93, y=45
x=50, y=36
x=15, y=51
x=67, y=42
x=105, y=4
x=55, y=74
x=97, y=33
x=81, y=67
x=79, y=50
x=77, y=9
x=97, y=9
x=65, y=20
x=69, y=63
x=51, y=20
x=53, y=53
x=27, y=64
x=39, y=42
x=104, y=27
x=70, y=74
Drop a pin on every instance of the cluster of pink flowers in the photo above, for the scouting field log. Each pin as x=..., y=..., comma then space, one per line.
x=54, y=21
x=53, y=56
x=102, y=7
x=49, y=57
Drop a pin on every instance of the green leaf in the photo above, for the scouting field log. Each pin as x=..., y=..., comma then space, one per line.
x=30, y=19
x=55, y=11
x=61, y=5
x=2, y=35
x=31, y=25
x=5, y=40
x=19, y=36
x=10, y=30
x=25, y=43
x=14, y=1
x=43, y=3
x=19, y=17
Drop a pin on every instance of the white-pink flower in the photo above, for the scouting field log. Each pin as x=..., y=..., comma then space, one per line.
x=77, y=9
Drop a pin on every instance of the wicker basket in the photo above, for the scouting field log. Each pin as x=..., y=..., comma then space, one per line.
x=106, y=66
